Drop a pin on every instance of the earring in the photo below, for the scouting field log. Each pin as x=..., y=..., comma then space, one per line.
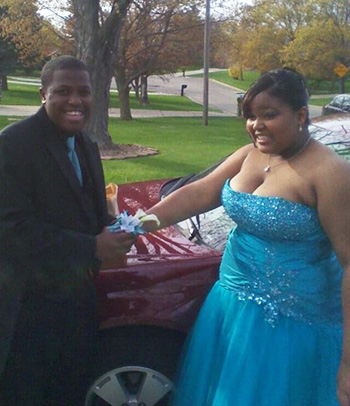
x=43, y=101
x=300, y=128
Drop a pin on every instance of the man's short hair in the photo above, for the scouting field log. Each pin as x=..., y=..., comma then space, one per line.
x=64, y=62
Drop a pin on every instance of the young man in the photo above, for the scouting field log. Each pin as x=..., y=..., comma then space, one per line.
x=53, y=239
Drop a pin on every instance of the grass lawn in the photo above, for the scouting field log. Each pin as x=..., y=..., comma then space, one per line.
x=28, y=95
x=313, y=86
x=320, y=102
x=18, y=94
x=184, y=145
x=223, y=77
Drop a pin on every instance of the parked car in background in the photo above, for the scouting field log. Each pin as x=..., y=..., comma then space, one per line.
x=339, y=104
x=149, y=303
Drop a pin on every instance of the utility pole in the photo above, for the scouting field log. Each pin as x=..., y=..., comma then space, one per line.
x=206, y=64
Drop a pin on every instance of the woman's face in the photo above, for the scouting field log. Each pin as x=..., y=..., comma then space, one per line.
x=273, y=125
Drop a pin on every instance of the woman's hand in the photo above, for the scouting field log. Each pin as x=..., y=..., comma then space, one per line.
x=343, y=390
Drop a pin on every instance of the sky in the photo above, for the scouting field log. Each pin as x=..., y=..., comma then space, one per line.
x=224, y=7
x=218, y=8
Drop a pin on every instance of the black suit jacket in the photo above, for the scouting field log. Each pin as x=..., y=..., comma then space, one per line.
x=46, y=231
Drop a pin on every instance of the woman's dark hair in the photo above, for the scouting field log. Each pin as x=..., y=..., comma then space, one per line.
x=284, y=84
x=64, y=62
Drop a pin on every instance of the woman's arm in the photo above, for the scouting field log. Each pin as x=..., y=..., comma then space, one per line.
x=333, y=197
x=199, y=196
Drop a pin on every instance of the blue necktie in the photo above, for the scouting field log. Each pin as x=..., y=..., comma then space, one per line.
x=74, y=158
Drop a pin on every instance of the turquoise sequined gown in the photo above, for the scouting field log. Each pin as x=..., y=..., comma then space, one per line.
x=270, y=330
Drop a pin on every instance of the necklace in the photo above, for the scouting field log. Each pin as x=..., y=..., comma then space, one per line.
x=268, y=167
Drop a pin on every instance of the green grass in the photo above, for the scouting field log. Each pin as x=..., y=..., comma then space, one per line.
x=184, y=145
x=5, y=121
x=18, y=94
x=223, y=77
x=320, y=102
x=313, y=86
x=248, y=78
x=28, y=95
x=159, y=102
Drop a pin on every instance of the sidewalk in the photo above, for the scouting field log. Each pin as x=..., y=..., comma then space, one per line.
x=23, y=111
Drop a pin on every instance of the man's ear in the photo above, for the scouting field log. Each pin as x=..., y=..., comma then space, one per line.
x=42, y=95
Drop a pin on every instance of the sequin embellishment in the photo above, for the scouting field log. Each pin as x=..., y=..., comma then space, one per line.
x=279, y=258
x=283, y=219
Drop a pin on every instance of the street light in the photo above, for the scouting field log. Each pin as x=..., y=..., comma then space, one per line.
x=206, y=64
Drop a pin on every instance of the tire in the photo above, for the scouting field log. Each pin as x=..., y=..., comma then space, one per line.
x=136, y=367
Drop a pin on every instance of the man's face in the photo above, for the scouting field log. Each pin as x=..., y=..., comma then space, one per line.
x=67, y=99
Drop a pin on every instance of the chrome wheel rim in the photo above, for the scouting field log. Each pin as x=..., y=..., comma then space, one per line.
x=130, y=386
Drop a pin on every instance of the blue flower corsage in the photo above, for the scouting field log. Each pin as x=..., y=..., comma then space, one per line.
x=132, y=224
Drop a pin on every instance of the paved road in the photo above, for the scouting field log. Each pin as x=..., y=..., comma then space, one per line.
x=23, y=111
x=221, y=96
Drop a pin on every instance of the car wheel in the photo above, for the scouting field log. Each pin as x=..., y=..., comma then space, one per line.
x=135, y=367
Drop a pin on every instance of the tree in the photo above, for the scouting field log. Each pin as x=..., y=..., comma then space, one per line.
x=142, y=37
x=155, y=39
x=261, y=50
x=8, y=61
x=220, y=41
x=261, y=31
x=323, y=43
x=8, y=56
x=184, y=43
x=97, y=29
x=286, y=16
x=317, y=49
x=22, y=27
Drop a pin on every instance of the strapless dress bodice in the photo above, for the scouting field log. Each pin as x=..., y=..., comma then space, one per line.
x=279, y=257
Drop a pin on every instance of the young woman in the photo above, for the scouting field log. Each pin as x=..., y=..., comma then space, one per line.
x=272, y=331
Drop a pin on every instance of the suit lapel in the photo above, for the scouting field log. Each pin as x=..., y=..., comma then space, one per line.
x=93, y=161
x=56, y=148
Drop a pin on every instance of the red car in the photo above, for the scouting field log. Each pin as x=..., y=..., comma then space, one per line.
x=147, y=306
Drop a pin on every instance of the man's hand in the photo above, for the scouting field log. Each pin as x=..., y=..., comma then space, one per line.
x=112, y=247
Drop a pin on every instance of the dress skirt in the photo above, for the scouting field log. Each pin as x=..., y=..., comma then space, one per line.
x=234, y=357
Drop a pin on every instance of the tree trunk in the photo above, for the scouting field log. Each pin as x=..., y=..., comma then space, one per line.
x=4, y=84
x=124, y=93
x=97, y=127
x=241, y=73
x=124, y=99
x=144, y=92
x=97, y=46
x=136, y=87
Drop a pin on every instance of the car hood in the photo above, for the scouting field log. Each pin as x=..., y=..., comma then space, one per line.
x=163, y=245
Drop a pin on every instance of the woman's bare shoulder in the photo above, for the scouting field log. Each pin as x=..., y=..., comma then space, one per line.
x=243, y=152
